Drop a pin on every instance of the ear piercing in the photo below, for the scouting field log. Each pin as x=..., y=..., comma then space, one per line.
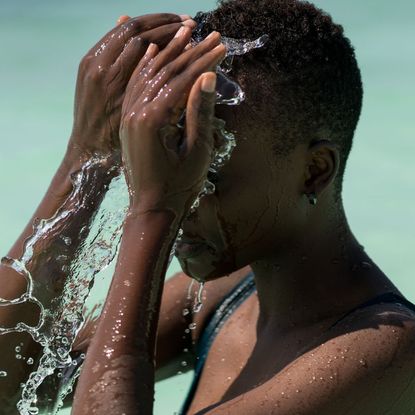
x=312, y=198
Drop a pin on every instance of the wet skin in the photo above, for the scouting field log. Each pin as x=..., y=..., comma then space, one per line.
x=303, y=257
x=306, y=261
x=165, y=170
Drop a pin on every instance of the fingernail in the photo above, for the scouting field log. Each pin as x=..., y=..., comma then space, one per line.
x=181, y=32
x=190, y=23
x=123, y=19
x=184, y=17
x=209, y=82
x=213, y=34
x=152, y=49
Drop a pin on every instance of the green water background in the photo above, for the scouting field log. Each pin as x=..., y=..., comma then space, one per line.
x=42, y=42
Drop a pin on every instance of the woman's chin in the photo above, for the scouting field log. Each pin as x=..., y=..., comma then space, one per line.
x=207, y=267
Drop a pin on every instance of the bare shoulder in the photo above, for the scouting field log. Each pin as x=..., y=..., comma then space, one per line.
x=369, y=360
x=365, y=365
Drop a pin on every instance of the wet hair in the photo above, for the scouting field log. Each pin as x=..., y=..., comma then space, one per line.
x=304, y=85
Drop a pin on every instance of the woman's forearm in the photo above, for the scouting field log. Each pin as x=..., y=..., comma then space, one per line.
x=119, y=369
x=54, y=248
x=44, y=265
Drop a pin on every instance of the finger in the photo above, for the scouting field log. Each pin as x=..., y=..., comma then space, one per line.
x=143, y=75
x=181, y=85
x=200, y=111
x=126, y=62
x=172, y=50
x=162, y=35
x=120, y=72
x=181, y=63
x=134, y=87
x=122, y=19
x=112, y=44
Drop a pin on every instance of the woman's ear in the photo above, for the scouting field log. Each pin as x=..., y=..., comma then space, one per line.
x=322, y=166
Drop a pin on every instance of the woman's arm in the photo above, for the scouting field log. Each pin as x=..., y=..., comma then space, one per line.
x=164, y=176
x=102, y=78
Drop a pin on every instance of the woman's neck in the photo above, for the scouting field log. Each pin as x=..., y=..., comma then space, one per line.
x=325, y=275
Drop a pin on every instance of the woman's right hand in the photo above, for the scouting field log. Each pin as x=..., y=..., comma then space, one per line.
x=103, y=76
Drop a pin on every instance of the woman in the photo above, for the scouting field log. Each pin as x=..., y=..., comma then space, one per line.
x=326, y=331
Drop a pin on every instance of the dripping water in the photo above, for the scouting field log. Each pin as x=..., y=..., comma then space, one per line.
x=60, y=322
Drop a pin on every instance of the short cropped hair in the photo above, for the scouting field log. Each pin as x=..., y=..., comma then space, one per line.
x=304, y=84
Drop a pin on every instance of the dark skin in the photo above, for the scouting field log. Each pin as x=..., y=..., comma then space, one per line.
x=102, y=78
x=302, y=255
x=304, y=258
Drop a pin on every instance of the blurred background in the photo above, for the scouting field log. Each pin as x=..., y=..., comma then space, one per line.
x=42, y=42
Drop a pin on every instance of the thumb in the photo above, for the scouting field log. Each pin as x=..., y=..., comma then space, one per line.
x=200, y=111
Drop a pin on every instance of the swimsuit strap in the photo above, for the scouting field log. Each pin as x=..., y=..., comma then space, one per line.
x=380, y=299
x=231, y=302
x=237, y=296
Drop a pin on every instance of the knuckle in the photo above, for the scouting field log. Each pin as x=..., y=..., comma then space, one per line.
x=168, y=71
x=94, y=76
x=85, y=63
x=170, y=17
x=91, y=70
x=136, y=24
x=146, y=120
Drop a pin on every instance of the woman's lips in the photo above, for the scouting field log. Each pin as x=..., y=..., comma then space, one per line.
x=190, y=249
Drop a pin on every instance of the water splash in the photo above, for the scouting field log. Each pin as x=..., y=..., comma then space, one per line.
x=228, y=91
x=60, y=321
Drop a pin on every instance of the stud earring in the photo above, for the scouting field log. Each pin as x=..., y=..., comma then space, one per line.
x=312, y=198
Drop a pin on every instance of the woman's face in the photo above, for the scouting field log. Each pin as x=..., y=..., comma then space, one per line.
x=254, y=212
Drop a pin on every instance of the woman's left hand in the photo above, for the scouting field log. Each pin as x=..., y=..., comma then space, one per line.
x=165, y=164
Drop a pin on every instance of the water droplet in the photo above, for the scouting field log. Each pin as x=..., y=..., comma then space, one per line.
x=366, y=265
x=198, y=303
x=3, y=374
x=185, y=312
x=189, y=290
x=18, y=356
x=17, y=349
x=62, y=353
x=67, y=240
x=184, y=363
x=29, y=361
x=192, y=326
